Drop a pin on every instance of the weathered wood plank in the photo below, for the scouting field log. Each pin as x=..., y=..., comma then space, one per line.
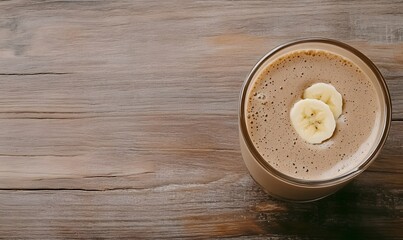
x=69, y=157
x=219, y=41
x=229, y=207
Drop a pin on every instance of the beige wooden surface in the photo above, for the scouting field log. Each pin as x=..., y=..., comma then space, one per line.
x=118, y=119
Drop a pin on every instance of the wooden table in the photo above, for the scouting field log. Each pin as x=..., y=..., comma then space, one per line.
x=119, y=120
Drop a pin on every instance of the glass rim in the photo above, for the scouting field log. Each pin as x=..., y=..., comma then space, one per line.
x=303, y=182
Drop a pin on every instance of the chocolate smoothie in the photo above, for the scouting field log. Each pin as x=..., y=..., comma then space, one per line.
x=281, y=85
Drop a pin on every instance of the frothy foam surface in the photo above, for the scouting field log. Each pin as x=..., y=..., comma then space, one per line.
x=281, y=84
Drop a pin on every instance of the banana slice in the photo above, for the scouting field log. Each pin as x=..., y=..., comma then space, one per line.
x=313, y=120
x=327, y=94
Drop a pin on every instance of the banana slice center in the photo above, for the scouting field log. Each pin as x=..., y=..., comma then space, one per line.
x=314, y=117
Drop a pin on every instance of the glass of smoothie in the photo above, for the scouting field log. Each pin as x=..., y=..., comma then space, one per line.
x=313, y=115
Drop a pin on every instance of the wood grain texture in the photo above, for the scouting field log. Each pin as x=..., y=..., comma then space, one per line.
x=119, y=120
